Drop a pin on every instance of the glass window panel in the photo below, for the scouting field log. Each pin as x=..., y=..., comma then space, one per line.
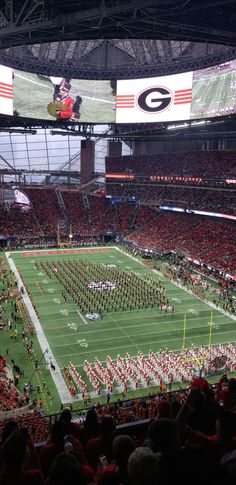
x=75, y=143
x=6, y=153
x=60, y=152
x=4, y=139
x=37, y=165
x=17, y=138
x=20, y=155
x=39, y=137
x=38, y=153
x=36, y=145
x=54, y=144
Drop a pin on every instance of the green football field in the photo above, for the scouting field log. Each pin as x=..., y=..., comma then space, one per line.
x=73, y=337
x=97, y=106
x=213, y=95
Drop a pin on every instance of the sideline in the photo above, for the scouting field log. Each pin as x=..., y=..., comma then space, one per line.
x=85, y=249
x=57, y=377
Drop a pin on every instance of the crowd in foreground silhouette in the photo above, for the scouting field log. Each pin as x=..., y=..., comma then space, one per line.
x=191, y=440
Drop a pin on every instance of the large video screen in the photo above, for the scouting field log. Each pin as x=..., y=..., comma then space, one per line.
x=204, y=93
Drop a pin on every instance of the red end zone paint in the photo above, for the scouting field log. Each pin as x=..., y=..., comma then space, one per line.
x=63, y=251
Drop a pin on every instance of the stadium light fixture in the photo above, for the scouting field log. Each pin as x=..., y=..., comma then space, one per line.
x=176, y=127
x=190, y=124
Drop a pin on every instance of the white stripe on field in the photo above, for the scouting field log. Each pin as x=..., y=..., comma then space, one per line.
x=82, y=318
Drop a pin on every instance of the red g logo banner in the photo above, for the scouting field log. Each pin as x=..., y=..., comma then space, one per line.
x=151, y=100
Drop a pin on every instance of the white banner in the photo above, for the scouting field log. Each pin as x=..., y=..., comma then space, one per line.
x=155, y=99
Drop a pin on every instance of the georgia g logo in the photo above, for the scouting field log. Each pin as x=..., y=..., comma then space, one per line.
x=155, y=99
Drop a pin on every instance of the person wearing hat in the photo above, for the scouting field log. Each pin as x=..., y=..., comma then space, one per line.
x=65, y=98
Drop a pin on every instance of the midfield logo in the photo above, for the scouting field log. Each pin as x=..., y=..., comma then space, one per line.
x=93, y=316
x=102, y=285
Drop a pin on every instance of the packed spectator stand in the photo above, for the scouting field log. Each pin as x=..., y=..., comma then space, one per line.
x=155, y=428
x=208, y=240
x=208, y=186
x=210, y=165
x=190, y=197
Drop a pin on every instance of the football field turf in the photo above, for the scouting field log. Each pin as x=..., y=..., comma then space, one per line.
x=74, y=337
x=98, y=102
x=213, y=95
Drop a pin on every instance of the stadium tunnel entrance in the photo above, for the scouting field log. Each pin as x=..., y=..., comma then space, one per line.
x=108, y=237
x=3, y=242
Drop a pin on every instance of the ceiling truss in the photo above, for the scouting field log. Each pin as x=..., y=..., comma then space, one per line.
x=116, y=38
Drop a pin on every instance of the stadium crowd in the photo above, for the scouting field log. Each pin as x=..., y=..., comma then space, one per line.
x=188, y=197
x=208, y=240
x=204, y=164
x=211, y=240
x=186, y=436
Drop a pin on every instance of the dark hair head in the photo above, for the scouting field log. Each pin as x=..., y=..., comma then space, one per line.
x=66, y=415
x=175, y=406
x=91, y=415
x=59, y=431
x=65, y=469
x=163, y=433
x=108, y=424
x=122, y=447
x=227, y=420
x=232, y=385
x=7, y=430
x=14, y=449
x=164, y=408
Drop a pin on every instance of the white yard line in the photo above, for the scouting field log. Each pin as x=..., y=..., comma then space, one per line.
x=57, y=377
x=82, y=317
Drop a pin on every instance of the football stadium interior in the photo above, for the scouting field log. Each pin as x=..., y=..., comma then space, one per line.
x=118, y=242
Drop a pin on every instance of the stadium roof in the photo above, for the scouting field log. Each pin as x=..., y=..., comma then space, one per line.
x=106, y=39
x=116, y=38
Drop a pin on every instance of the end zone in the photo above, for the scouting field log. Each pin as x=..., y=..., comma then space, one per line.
x=62, y=251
